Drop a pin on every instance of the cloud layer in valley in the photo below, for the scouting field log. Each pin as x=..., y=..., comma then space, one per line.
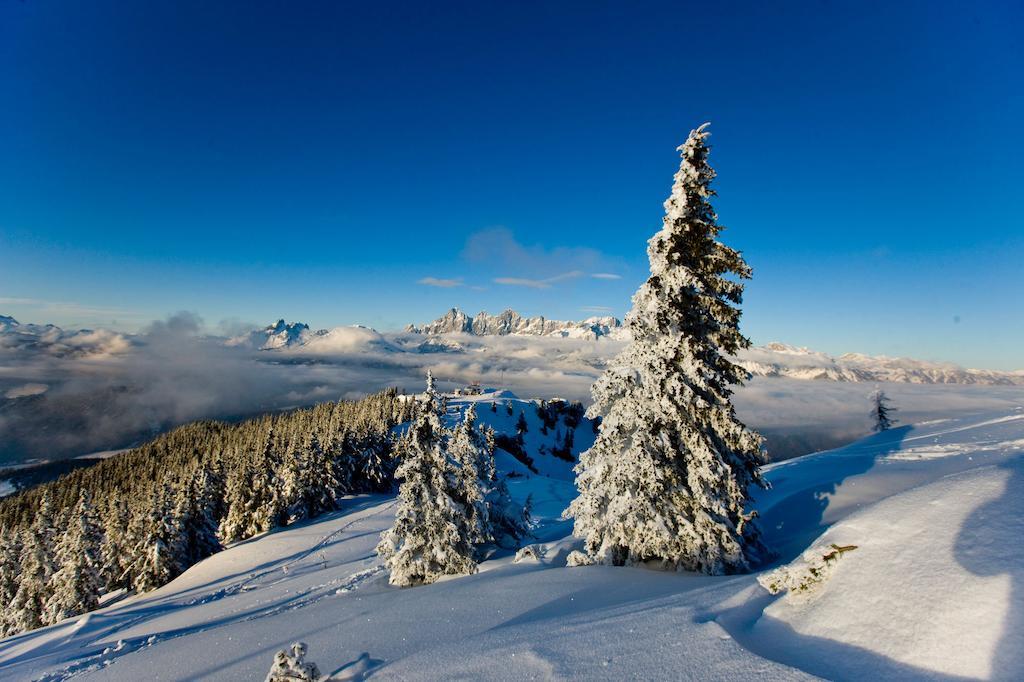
x=65, y=396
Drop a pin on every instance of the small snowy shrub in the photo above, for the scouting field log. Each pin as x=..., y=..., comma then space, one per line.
x=535, y=552
x=578, y=558
x=292, y=666
x=813, y=568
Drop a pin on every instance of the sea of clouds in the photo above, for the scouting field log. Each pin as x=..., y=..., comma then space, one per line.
x=103, y=390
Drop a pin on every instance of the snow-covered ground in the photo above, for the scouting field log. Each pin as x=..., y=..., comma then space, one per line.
x=933, y=590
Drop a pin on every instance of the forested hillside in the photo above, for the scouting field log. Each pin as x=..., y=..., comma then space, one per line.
x=139, y=519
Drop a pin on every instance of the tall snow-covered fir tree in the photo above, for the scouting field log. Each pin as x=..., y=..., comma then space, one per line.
x=310, y=482
x=466, y=448
x=114, y=550
x=10, y=571
x=75, y=586
x=509, y=522
x=27, y=610
x=239, y=499
x=197, y=505
x=159, y=554
x=881, y=413
x=428, y=539
x=376, y=463
x=667, y=478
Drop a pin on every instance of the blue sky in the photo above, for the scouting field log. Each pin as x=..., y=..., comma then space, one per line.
x=321, y=161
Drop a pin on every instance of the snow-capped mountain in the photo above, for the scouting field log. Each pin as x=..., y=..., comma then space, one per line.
x=52, y=340
x=771, y=360
x=781, y=360
x=510, y=322
x=278, y=335
x=8, y=324
x=297, y=337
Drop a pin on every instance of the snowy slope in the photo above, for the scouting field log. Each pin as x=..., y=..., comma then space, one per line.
x=935, y=589
x=537, y=443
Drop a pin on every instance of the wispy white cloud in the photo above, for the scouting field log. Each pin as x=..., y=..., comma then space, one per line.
x=596, y=309
x=68, y=308
x=440, y=282
x=537, y=283
x=535, y=266
x=26, y=390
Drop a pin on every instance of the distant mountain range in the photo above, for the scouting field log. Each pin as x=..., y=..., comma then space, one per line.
x=771, y=360
x=52, y=340
x=448, y=334
x=781, y=360
x=512, y=323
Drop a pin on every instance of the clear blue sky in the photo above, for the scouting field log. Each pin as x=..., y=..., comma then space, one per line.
x=319, y=160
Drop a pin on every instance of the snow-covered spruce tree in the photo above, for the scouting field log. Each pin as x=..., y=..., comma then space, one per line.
x=470, y=489
x=197, y=505
x=426, y=541
x=310, y=482
x=375, y=464
x=667, y=478
x=10, y=570
x=159, y=557
x=27, y=610
x=237, y=523
x=115, y=545
x=509, y=522
x=76, y=584
x=881, y=413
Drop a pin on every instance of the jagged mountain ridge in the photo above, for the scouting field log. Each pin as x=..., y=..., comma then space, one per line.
x=770, y=360
x=281, y=334
x=509, y=322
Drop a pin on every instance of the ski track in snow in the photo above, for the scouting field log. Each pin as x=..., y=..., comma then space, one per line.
x=254, y=581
